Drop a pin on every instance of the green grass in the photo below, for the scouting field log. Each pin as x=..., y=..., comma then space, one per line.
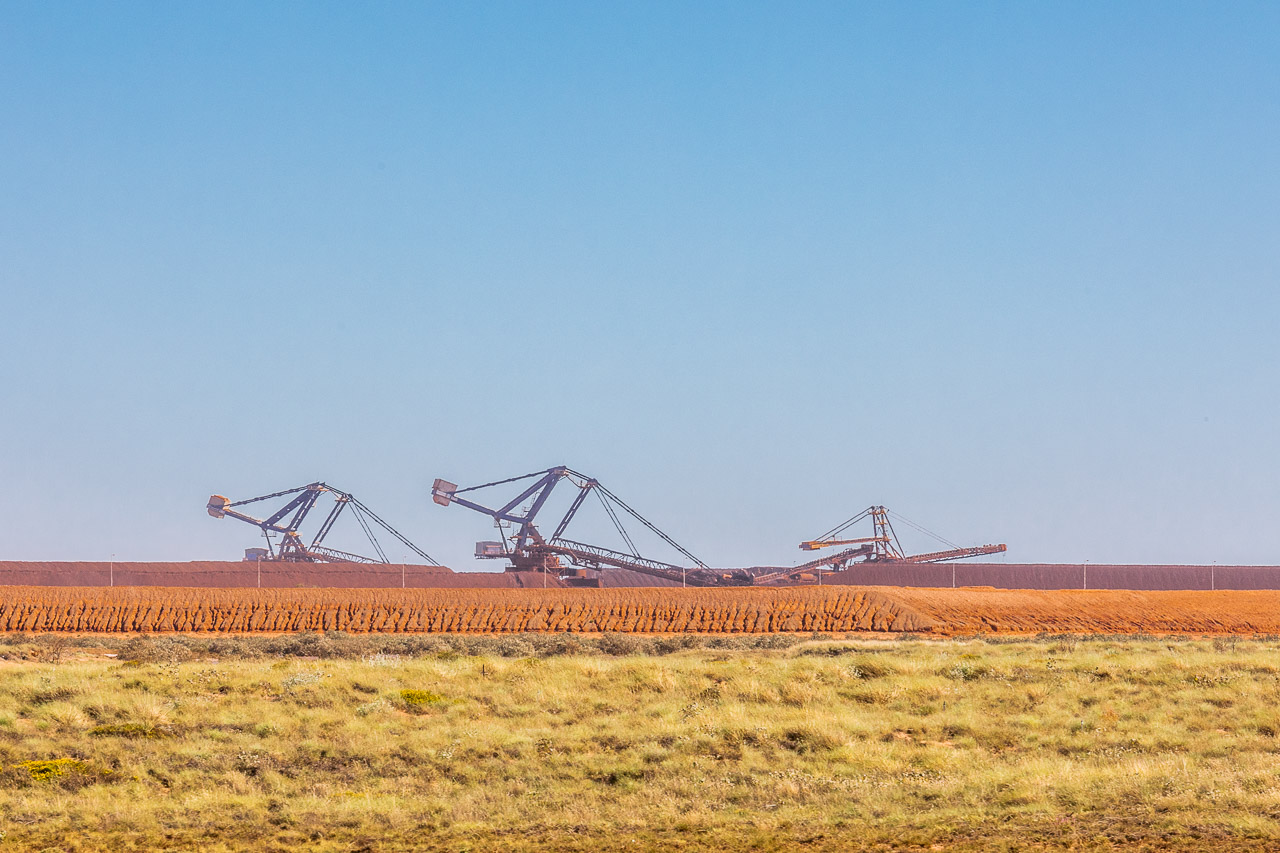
x=829, y=744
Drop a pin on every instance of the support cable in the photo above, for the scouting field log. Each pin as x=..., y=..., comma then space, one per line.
x=840, y=528
x=653, y=528
x=396, y=533
x=613, y=516
x=502, y=482
x=272, y=495
x=922, y=529
x=373, y=540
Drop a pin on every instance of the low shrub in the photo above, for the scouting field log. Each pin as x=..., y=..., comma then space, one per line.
x=176, y=648
x=673, y=643
x=301, y=679
x=618, y=644
x=70, y=774
x=866, y=669
x=806, y=740
x=966, y=671
x=419, y=701
x=155, y=650
x=514, y=647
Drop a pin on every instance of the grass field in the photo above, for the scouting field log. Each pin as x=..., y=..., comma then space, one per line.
x=336, y=743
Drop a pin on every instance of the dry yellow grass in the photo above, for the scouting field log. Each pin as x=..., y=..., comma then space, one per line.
x=827, y=745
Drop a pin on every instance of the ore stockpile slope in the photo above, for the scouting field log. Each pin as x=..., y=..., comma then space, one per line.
x=1023, y=611
x=280, y=574
x=267, y=574
x=1057, y=576
x=937, y=612
x=637, y=610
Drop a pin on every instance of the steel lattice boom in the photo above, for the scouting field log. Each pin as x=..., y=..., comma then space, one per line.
x=287, y=521
x=882, y=546
x=527, y=549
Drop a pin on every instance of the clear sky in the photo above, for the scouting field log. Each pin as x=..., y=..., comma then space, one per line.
x=1012, y=270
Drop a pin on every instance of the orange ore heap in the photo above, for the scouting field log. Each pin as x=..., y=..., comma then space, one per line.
x=941, y=612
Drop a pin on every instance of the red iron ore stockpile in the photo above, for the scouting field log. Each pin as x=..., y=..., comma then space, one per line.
x=284, y=575
x=268, y=574
x=360, y=575
x=836, y=609
x=1058, y=576
x=1027, y=611
x=641, y=610
x=225, y=574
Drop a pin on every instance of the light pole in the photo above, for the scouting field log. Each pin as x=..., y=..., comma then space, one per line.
x=111, y=571
x=403, y=559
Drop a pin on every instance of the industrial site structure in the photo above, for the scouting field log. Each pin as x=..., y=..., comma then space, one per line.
x=526, y=549
x=287, y=522
x=519, y=505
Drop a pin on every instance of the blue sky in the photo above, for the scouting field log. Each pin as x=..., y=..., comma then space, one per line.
x=1009, y=269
